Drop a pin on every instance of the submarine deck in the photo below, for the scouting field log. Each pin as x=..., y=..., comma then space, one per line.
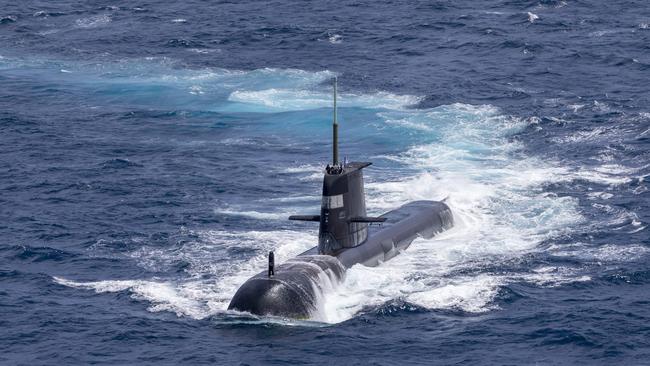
x=402, y=226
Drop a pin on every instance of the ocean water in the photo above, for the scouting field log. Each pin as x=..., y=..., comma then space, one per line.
x=152, y=151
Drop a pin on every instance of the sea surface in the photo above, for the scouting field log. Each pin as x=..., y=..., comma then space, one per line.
x=151, y=152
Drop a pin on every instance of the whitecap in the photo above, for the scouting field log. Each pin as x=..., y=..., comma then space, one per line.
x=163, y=296
x=600, y=195
x=603, y=32
x=583, y=136
x=609, y=253
x=606, y=174
x=335, y=39
x=8, y=19
x=552, y=276
x=93, y=21
x=640, y=190
x=196, y=90
x=575, y=107
x=470, y=294
x=601, y=107
x=48, y=32
x=532, y=17
x=204, y=51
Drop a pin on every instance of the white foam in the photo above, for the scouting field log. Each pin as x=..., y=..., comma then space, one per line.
x=532, y=17
x=605, y=254
x=316, y=199
x=335, y=39
x=304, y=168
x=235, y=141
x=196, y=90
x=255, y=214
x=583, y=136
x=575, y=107
x=8, y=18
x=294, y=100
x=470, y=294
x=93, y=21
x=162, y=296
x=204, y=51
x=608, y=174
x=603, y=32
x=600, y=195
x=640, y=189
x=551, y=276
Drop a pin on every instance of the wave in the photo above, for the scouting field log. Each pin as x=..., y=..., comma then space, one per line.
x=210, y=256
x=8, y=19
x=335, y=39
x=45, y=14
x=93, y=21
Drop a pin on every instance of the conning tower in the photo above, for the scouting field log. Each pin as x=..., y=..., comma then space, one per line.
x=343, y=220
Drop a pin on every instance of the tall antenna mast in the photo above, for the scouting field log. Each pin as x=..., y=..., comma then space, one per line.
x=335, y=132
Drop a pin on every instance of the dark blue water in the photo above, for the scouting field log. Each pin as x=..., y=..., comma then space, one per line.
x=150, y=153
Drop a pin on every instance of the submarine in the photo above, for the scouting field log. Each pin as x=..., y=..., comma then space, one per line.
x=347, y=236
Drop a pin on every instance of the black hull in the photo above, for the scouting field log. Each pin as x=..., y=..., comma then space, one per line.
x=294, y=290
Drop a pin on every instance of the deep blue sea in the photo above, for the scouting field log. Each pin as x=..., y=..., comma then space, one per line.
x=150, y=153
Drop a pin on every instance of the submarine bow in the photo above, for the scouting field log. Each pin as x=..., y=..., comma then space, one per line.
x=293, y=291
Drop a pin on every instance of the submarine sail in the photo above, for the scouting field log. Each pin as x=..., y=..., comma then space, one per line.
x=345, y=238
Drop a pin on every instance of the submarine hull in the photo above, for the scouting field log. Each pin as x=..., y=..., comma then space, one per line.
x=297, y=285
